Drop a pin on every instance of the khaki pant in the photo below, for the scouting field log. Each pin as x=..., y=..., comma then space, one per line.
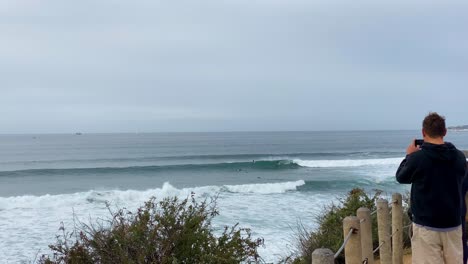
x=432, y=247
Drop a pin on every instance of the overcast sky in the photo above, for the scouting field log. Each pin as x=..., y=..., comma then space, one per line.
x=238, y=65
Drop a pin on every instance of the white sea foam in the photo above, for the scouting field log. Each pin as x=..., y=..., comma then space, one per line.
x=347, y=162
x=29, y=201
x=265, y=188
x=29, y=223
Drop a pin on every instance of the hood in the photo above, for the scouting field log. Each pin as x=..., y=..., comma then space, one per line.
x=446, y=151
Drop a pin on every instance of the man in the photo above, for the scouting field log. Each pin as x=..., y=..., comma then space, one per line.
x=436, y=170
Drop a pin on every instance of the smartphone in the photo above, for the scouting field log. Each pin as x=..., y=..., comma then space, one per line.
x=418, y=142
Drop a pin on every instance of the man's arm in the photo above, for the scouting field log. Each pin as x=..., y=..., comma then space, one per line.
x=407, y=169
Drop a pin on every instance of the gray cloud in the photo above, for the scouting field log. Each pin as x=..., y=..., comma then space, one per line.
x=113, y=66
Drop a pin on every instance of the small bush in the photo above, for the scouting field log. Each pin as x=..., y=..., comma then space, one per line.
x=329, y=233
x=170, y=231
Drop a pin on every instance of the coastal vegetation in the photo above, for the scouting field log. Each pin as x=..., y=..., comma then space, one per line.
x=169, y=231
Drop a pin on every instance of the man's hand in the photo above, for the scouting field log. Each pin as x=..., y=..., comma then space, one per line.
x=412, y=148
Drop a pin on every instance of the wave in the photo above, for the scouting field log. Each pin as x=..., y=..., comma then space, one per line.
x=101, y=197
x=264, y=188
x=230, y=166
x=347, y=162
x=259, y=165
x=167, y=190
x=224, y=157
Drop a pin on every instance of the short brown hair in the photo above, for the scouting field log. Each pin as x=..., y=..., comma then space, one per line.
x=434, y=125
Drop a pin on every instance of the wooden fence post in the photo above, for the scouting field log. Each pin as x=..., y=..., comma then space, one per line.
x=353, y=251
x=323, y=256
x=383, y=222
x=364, y=215
x=397, y=228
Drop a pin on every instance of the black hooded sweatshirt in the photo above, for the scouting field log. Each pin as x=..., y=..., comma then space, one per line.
x=436, y=173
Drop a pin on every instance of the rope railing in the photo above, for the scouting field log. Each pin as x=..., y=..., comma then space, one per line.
x=351, y=230
x=377, y=248
x=381, y=244
x=394, y=233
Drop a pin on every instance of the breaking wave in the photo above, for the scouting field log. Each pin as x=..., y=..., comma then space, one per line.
x=347, y=163
x=167, y=190
x=255, y=165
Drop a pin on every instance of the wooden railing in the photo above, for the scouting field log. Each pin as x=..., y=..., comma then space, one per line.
x=357, y=230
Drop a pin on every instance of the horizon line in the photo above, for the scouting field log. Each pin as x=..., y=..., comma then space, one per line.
x=207, y=132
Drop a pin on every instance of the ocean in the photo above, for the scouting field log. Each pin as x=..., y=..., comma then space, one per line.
x=266, y=181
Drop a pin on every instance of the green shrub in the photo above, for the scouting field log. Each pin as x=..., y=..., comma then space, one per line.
x=329, y=233
x=170, y=231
